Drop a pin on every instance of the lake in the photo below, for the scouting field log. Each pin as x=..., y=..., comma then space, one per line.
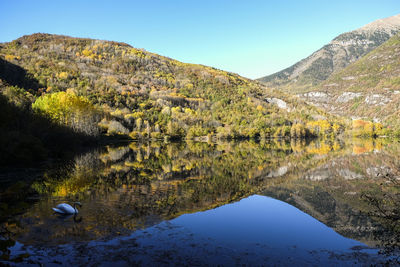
x=190, y=203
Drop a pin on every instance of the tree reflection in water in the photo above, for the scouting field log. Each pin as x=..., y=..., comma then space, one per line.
x=385, y=209
x=132, y=187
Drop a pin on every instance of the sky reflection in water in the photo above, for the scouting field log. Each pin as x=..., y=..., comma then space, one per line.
x=260, y=219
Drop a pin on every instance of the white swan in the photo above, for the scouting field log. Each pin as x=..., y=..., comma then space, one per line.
x=65, y=208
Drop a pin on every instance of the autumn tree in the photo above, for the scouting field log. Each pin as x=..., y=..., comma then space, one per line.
x=69, y=109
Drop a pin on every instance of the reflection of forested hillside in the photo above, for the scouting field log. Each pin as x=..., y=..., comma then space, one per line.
x=357, y=193
x=131, y=187
x=125, y=188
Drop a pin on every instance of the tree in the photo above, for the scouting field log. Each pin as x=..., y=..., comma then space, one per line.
x=71, y=110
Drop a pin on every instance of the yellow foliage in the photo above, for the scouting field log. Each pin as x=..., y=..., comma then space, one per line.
x=134, y=164
x=87, y=53
x=189, y=86
x=61, y=191
x=175, y=94
x=378, y=126
x=76, y=183
x=297, y=130
x=134, y=135
x=171, y=80
x=70, y=91
x=176, y=168
x=64, y=107
x=336, y=147
x=139, y=157
x=137, y=114
x=365, y=128
x=155, y=135
x=189, y=166
x=112, y=79
x=11, y=57
x=378, y=145
x=190, y=111
x=360, y=123
x=133, y=146
x=118, y=167
x=335, y=127
x=62, y=75
x=363, y=146
x=176, y=109
x=321, y=149
x=296, y=145
x=137, y=52
x=357, y=150
x=319, y=127
x=117, y=113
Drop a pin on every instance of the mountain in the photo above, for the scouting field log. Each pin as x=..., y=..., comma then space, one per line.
x=333, y=57
x=368, y=88
x=144, y=94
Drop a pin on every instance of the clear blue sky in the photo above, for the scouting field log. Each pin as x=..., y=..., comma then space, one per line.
x=252, y=38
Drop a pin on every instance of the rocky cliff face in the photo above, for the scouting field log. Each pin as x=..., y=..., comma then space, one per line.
x=368, y=88
x=333, y=57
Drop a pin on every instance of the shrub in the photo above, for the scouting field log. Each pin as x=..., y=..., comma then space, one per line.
x=115, y=127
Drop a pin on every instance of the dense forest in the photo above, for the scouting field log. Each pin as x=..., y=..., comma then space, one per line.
x=101, y=89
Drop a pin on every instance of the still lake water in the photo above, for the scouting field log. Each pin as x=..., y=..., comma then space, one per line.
x=228, y=203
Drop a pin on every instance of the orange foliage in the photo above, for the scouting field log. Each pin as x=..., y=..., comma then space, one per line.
x=360, y=123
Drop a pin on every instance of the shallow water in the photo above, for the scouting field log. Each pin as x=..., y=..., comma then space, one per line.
x=221, y=204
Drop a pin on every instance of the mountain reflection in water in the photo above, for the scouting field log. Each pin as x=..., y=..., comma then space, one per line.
x=128, y=190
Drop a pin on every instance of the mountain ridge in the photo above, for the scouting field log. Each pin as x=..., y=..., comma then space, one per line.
x=334, y=56
x=368, y=88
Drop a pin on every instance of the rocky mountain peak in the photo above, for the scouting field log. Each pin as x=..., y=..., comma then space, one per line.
x=334, y=56
x=387, y=25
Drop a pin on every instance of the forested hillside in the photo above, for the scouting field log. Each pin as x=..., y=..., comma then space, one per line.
x=101, y=87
